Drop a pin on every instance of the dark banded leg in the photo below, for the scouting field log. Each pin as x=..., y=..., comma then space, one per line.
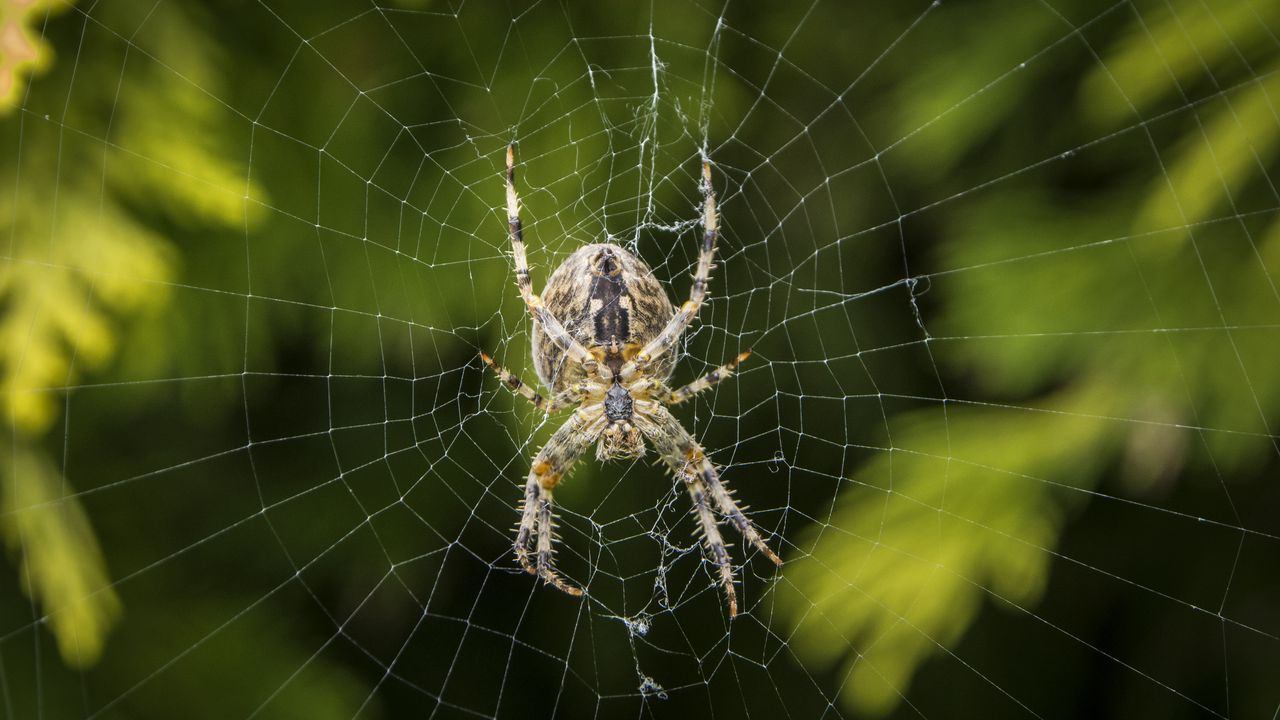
x=711, y=537
x=725, y=502
x=689, y=462
x=548, y=469
x=515, y=383
x=706, y=381
x=665, y=339
x=570, y=396
x=550, y=325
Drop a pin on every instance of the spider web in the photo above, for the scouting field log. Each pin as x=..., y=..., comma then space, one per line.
x=1016, y=465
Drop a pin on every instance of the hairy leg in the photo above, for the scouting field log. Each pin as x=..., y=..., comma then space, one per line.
x=711, y=537
x=689, y=462
x=570, y=396
x=665, y=339
x=706, y=381
x=548, y=469
x=725, y=502
x=541, y=315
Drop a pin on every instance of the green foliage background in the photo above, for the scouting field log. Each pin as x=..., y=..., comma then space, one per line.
x=1008, y=269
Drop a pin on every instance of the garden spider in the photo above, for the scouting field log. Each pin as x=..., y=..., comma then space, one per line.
x=602, y=336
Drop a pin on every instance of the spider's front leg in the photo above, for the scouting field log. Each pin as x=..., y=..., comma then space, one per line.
x=550, y=324
x=549, y=467
x=667, y=337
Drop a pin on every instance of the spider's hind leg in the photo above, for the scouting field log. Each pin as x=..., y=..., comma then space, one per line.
x=728, y=506
x=548, y=469
x=538, y=517
x=689, y=462
x=712, y=538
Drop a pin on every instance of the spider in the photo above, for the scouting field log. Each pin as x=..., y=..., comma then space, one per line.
x=603, y=332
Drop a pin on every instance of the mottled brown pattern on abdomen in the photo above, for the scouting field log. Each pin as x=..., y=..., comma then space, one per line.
x=568, y=295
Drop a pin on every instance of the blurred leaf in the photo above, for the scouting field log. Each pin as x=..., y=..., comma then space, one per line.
x=22, y=50
x=970, y=505
x=1090, y=310
x=61, y=565
x=78, y=260
x=64, y=277
x=175, y=129
x=1179, y=52
x=949, y=103
x=1214, y=162
x=1028, y=316
x=1168, y=49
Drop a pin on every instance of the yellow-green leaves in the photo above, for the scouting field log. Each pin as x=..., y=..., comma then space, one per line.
x=1072, y=309
x=61, y=565
x=1192, y=52
x=22, y=50
x=967, y=508
x=174, y=128
x=955, y=99
x=58, y=289
x=1234, y=141
x=80, y=258
x=1169, y=47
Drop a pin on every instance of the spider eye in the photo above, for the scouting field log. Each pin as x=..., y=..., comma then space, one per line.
x=605, y=263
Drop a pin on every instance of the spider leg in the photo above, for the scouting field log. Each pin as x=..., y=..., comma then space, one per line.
x=728, y=506
x=665, y=339
x=548, y=469
x=569, y=396
x=541, y=315
x=712, y=538
x=706, y=381
x=689, y=462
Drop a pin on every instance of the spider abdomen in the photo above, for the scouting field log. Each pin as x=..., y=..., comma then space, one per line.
x=609, y=301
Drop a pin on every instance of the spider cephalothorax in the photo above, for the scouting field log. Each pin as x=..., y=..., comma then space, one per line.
x=602, y=334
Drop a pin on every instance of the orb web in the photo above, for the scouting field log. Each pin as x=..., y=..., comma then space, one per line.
x=1009, y=418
